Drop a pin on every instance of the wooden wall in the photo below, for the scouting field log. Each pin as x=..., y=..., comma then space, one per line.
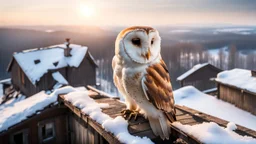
x=201, y=84
x=27, y=88
x=82, y=133
x=201, y=78
x=57, y=115
x=84, y=75
x=239, y=98
x=47, y=82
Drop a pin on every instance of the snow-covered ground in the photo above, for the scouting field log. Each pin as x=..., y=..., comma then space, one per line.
x=213, y=133
x=193, y=98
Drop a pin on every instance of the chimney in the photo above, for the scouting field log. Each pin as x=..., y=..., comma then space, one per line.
x=253, y=73
x=68, y=49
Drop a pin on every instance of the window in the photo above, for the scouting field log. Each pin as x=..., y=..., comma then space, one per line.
x=20, y=137
x=37, y=61
x=55, y=63
x=46, y=131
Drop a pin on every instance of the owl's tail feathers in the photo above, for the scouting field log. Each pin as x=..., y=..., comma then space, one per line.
x=160, y=126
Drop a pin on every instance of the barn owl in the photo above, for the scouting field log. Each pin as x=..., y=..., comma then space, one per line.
x=141, y=76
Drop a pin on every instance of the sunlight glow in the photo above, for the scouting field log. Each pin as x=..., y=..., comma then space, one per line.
x=86, y=10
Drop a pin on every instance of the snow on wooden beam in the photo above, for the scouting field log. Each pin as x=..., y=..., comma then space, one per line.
x=141, y=127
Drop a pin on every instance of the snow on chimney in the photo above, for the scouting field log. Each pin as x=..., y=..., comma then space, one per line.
x=253, y=73
x=68, y=49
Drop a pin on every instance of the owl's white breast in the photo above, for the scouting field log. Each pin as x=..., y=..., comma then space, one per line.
x=131, y=79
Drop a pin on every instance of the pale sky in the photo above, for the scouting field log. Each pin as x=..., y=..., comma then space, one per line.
x=127, y=12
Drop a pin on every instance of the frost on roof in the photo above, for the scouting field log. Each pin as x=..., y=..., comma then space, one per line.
x=48, y=58
x=189, y=72
x=239, y=78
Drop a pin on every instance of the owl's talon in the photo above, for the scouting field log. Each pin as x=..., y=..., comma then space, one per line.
x=135, y=117
x=133, y=114
x=125, y=112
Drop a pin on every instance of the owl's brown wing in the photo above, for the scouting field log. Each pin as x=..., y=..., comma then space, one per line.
x=158, y=90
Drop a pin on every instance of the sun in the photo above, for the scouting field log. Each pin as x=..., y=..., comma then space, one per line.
x=87, y=11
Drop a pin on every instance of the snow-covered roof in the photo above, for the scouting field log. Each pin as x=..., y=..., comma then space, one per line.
x=191, y=97
x=59, y=78
x=239, y=78
x=14, y=113
x=36, y=62
x=6, y=81
x=189, y=72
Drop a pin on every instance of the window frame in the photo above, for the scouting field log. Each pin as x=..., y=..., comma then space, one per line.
x=40, y=135
x=25, y=136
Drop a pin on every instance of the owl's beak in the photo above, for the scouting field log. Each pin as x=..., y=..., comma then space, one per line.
x=147, y=55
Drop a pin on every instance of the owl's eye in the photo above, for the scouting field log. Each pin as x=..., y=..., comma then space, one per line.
x=152, y=41
x=136, y=41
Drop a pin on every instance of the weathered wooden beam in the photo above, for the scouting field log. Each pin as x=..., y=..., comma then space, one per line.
x=96, y=126
x=101, y=93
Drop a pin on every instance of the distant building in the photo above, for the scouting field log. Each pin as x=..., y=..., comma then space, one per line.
x=200, y=76
x=238, y=86
x=44, y=68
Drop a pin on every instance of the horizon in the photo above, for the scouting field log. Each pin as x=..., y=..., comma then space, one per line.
x=126, y=13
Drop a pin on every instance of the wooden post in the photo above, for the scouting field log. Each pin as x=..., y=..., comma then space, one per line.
x=218, y=87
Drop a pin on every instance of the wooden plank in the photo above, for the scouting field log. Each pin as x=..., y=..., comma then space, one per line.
x=148, y=133
x=90, y=134
x=139, y=127
x=189, y=121
x=77, y=111
x=179, y=112
x=185, y=116
x=101, y=93
x=180, y=134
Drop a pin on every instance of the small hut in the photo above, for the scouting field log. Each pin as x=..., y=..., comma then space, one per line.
x=238, y=86
x=200, y=76
x=45, y=68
